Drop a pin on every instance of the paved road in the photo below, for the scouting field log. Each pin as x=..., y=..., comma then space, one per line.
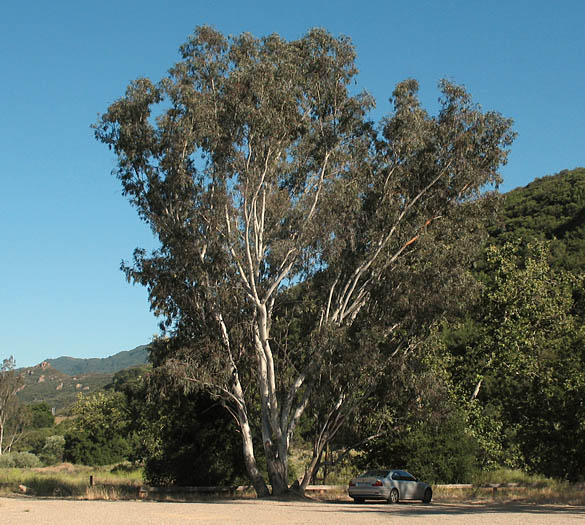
x=24, y=510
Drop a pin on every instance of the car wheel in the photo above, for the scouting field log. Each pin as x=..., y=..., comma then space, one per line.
x=359, y=500
x=428, y=496
x=394, y=497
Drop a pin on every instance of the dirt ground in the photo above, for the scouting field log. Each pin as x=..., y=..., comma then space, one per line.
x=16, y=510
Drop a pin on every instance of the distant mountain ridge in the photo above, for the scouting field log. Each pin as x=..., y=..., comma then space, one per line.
x=74, y=366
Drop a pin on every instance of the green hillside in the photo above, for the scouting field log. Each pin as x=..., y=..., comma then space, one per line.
x=108, y=365
x=59, y=390
x=551, y=208
x=59, y=381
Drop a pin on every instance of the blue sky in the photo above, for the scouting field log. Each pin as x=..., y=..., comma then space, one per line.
x=64, y=226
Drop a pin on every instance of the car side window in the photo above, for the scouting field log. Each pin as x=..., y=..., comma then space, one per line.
x=396, y=476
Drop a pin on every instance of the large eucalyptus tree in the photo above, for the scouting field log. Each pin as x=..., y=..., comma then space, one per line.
x=256, y=167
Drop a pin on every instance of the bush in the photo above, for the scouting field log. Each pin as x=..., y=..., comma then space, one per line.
x=19, y=460
x=197, y=445
x=95, y=450
x=434, y=451
x=52, y=451
x=34, y=440
x=41, y=415
x=99, y=434
x=505, y=475
x=442, y=453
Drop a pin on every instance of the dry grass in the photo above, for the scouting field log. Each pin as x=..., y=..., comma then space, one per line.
x=124, y=483
x=339, y=493
x=560, y=493
x=71, y=481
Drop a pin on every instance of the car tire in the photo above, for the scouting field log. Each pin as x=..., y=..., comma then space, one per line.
x=394, y=497
x=359, y=500
x=428, y=496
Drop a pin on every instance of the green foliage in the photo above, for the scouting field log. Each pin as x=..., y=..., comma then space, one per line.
x=437, y=451
x=19, y=460
x=518, y=366
x=100, y=430
x=129, y=381
x=443, y=452
x=33, y=440
x=53, y=449
x=534, y=344
x=196, y=443
x=41, y=415
x=141, y=429
x=99, y=411
x=95, y=449
x=550, y=208
x=506, y=475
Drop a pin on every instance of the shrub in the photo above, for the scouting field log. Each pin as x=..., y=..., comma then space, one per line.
x=34, y=440
x=99, y=435
x=42, y=415
x=442, y=453
x=435, y=451
x=52, y=451
x=86, y=449
x=197, y=444
x=19, y=460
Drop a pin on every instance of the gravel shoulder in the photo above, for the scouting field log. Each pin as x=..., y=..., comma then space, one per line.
x=16, y=510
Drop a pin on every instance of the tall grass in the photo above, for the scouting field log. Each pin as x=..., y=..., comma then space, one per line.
x=504, y=475
x=71, y=481
x=516, y=486
x=561, y=495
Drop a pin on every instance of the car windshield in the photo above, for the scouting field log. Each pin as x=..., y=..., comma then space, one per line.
x=374, y=474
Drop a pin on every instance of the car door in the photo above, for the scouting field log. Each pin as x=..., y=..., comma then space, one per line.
x=408, y=486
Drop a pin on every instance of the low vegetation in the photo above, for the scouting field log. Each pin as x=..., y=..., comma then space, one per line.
x=124, y=482
x=557, y=493
x=72, y=481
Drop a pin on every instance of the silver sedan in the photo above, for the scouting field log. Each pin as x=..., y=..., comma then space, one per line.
x=390, y=485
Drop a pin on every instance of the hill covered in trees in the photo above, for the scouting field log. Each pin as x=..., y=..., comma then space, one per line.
x=549, y=208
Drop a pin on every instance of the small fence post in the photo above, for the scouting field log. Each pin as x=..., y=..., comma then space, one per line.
x=91, y=481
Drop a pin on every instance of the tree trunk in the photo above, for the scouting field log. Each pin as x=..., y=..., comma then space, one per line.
x=277, y=467
x=311, y=470
x=274, y=436
x=250, y=460
x=237, y=395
